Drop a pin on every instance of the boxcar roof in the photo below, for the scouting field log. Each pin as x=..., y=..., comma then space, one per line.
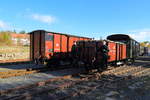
x=58, y=33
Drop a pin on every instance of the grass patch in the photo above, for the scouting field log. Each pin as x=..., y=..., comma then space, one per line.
x=14, y=49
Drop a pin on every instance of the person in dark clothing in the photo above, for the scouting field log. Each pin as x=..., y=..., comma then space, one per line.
x=104, y=50
x=73, y=49
x=36, y=60
x=73, y=54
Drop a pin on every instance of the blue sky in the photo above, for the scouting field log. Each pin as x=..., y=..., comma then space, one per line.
x=92, y=18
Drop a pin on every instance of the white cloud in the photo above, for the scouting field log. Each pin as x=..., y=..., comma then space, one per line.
x=139, y=35
x=3, y=25
x=44, y=18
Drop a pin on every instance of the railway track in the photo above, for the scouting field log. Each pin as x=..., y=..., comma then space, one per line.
x=73, y=85
x=15, y=61
x=129, y=71
x=111, y=70
x=14, y=73
x=54, y=89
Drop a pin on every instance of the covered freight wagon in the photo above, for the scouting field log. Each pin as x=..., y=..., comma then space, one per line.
x=45, y=44
x=133, y=47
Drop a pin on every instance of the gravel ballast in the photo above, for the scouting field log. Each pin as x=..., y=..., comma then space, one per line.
x=13, y=82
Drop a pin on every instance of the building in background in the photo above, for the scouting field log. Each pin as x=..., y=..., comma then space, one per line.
x=20, y=39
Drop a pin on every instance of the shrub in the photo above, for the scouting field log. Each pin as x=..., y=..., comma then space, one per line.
x=5, y=38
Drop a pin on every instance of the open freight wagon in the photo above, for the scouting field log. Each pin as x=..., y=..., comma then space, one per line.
x=54, y=45
x=99, y=53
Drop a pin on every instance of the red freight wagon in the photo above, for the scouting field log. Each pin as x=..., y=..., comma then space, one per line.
x=112, y=51
x=117, y=51
x=48, y=44
x=121, y=51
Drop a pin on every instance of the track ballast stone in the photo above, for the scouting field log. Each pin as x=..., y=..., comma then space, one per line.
x=132, y=83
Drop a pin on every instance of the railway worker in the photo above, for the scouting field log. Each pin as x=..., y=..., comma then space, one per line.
x=104, y=50
x=37, y=60
x=73, y=55
x=73, y=49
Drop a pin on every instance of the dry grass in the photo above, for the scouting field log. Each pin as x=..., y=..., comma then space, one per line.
x=14, y=52
x=14, y=49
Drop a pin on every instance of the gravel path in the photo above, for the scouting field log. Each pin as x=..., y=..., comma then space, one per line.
x=13, y=82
